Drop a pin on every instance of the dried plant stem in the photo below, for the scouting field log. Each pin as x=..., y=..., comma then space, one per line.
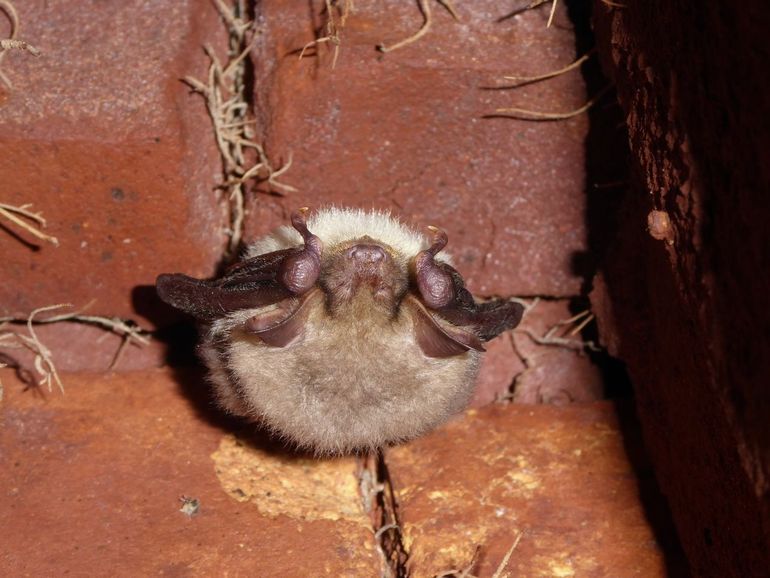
x=551, y=338
x=13, y=214
x=12, y=43
x=225, y=93
x=554, y=73
x=586, y=320
x=499, y=572
x=526, y=114
x=333, y=28
x=43, y=362
x=113, y=324
x=464, y=572
x=9, y=44
x=553, y=11
x=425, y=9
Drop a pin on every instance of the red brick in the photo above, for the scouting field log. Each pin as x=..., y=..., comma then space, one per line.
x=100, y=135
x=91, y=482
x=405, y=131
x=556, y=374
x=558, y=477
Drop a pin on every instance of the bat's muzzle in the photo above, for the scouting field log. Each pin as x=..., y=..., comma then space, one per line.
x=366, y=254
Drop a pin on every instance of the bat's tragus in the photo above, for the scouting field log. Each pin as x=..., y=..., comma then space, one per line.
x=346, y=331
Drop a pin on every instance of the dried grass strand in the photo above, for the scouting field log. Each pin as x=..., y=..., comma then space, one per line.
x=526, y=114
x=43, y=361
x=425, y=9
x=553, y=73
x=424, y=6
x=333, y=29
x=13, y=213
x=553, y=11
x=12, y=42
x=224, y=92
x=499, y=572
x=550, y=337
x=463, y=572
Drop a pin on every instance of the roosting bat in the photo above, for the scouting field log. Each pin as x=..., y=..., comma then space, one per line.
x=345, y=332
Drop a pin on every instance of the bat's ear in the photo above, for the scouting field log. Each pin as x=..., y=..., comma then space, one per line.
x=262, y=280
x=442, y=289
x=438, y=339
x=283, y=324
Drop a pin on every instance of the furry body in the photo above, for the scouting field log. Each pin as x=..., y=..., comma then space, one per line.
x=364, y=362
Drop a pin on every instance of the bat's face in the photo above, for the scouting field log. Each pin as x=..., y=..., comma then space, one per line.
x=347, y=332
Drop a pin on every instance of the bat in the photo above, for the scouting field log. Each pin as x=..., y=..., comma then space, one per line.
x=346, y=332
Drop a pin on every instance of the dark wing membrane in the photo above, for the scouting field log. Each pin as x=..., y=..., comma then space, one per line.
x=260, y=267
x=493, y=317
x=488, y=318
x=250, y=283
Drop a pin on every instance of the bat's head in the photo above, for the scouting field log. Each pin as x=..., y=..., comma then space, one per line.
x=347, y=330
x=363, y=272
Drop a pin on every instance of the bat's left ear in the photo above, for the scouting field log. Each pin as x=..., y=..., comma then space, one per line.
x=437, y=339
x=442, y=289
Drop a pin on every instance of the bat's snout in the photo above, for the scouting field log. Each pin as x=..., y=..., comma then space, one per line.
x=366, y=253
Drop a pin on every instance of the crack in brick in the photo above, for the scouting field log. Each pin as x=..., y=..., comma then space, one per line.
x=380, y=503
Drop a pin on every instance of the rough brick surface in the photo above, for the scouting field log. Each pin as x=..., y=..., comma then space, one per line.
x=406, y=131
x=685, y=302
x=91, y=484
x=80, y=347
x=103, y=138
x=552, y=374
x=561, y=478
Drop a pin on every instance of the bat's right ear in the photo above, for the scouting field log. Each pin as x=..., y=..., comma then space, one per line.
x=262, y=280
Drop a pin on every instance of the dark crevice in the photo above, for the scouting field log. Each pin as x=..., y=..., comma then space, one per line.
x=607, y=187
x=615, y=378
x=379, y=502
x=392, y=543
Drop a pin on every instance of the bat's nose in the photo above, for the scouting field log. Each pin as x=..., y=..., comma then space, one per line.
x=366, y=253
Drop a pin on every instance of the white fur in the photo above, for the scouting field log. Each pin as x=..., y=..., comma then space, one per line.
x=335, y=225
